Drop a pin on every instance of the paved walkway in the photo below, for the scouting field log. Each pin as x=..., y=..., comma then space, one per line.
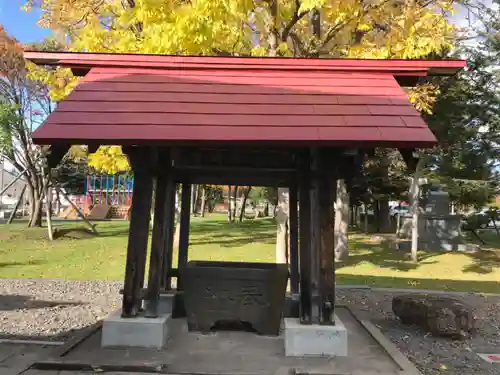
x=41, y=372
x=16, y=358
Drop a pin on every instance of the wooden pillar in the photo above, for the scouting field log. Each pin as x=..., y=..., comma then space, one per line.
x=184, y=230
x=169, y=237
x=161, y=224
x=141, y=160
x=305, y=241
x=314, y=226
x=294, y=239
x=326, y=192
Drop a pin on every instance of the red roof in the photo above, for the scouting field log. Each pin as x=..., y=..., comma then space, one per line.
x=136, y=99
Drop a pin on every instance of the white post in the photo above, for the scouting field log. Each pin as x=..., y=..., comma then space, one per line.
x=2, y=166
x=282, y=220
x=415, y=208
x=341, y=221
x=48, y=206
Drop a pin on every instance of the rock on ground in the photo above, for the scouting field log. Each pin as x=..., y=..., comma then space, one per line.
x=439, y=315
x=433, y=355
x=57, y=309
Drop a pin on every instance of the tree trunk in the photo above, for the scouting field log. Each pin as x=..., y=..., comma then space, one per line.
x=235, y=199
x=243, y=204
x=36, y=187
x=341, y=222
x=20, y=199
x=282, y=232
x=383, y=218
x=196, y=198
x=31, y=202
x=376, y=216
x=36, y=218
x=203, y=200
x=48, y=204
x=229, y=210
x=36, y=197
x=275, y=207
x=58, y=202
x=365, y=219
x=193, y=200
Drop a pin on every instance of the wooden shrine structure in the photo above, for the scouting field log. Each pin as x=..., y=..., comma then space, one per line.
x=284, y=122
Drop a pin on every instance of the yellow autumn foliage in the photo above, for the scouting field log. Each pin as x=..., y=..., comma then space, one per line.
x=349, y=28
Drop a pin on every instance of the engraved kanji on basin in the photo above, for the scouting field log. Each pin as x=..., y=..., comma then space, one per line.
x=252, y=293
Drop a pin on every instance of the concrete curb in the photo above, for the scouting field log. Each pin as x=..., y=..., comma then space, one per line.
x=405, y=365
x=31, y=342
x=409, y=290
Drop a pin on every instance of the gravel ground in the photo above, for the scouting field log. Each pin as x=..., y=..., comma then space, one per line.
x=54, y=309
x=57, y=309
x=433, y=355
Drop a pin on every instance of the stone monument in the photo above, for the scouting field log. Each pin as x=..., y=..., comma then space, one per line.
x=438, y=229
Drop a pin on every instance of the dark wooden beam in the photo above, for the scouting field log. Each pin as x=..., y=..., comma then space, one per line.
x=294, y=239
x=314, y=225
x=80, y=72
x=161, y=225
x=141, y=160
x=92, y=148
x=326, y=191
x=410, y=157
x=56, y=154
x=305, y=238
x=184, y=230
x=235, y=177
x=350, y=167
x=169, y=238
x=235, y=157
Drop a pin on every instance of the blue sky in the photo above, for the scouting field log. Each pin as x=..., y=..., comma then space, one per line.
x=20, y=24
x=23, y=25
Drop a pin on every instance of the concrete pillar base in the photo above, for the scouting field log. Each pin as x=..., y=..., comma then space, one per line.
x=314, y=340
x=137, y=332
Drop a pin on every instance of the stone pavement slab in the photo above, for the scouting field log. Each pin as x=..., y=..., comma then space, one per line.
x=229, y=353
x=15, y=358
x=43, y=372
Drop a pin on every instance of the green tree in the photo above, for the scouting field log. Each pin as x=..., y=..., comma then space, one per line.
x=466, y=119
x=24, y=103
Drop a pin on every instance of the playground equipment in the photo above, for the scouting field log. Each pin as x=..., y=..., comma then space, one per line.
x=108, y=196
x=109, y=190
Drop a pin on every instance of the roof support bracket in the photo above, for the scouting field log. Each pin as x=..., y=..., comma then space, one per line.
x=411, y=157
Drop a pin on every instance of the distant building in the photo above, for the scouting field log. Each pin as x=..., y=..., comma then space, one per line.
x=13, y=192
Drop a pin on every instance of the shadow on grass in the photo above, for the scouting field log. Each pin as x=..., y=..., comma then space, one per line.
x=202, y=226
x=419, y=283
x=73, y=233
x=484, y=262
x=361, y=251
x=76, y=230
x=232, y=235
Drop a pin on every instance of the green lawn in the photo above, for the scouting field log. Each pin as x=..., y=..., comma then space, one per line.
x=75, y=254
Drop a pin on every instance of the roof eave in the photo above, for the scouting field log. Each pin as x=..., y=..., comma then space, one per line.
x=81, y=63
x=402, y=144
